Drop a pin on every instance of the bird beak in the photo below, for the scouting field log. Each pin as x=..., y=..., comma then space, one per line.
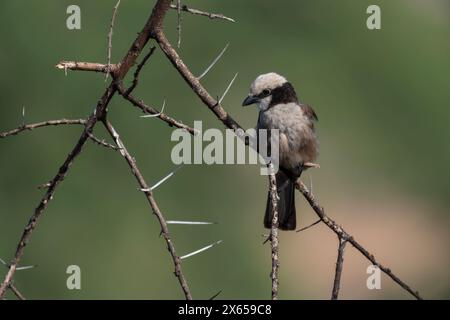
x=249, y=100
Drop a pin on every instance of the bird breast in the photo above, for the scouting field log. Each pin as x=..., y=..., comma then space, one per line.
x=297, y=138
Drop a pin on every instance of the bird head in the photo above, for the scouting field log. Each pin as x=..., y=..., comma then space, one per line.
x=269, y=89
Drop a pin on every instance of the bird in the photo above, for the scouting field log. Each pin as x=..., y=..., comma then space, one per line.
x=280, y=108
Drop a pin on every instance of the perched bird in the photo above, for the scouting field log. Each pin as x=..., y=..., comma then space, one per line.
x=279, y=108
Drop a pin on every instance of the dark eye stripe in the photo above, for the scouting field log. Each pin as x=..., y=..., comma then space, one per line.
x=264, y=94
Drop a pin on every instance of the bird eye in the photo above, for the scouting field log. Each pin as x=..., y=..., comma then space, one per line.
x=266, y=92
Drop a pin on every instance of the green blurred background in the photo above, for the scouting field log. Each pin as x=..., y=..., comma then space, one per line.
x=383, y=102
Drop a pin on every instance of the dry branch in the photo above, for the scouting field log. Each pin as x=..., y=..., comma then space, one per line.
x=201, y=13
x=153, y=25
x=341, y=233
x=193, y=82
x=274, y=232
x=138, y=72
x=85, y=66
x=16, y=292
x=33, y=126
x=156, y=211
x=110, y=34
x=102, y=142
x=150, y=110
x=338, y=271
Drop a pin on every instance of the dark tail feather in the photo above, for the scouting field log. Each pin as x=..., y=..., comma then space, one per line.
x=286, y=204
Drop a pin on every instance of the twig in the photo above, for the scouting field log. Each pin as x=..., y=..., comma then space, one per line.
x=274, y=232
x=309, y=226
x=216, y=295
x=202, y=13
x=342, y=233
x=138, y=72
x=162, y=221
x=102, y=142
x=33, y=126
x=150, y=110
x=85, y=66
x=339, y=266
x=110, y=35
x=179, y=18
x=16, y=292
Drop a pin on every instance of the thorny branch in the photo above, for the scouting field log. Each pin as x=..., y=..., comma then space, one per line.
x=153, y=24
x=153, y=29
x=16, y=292
x=339, y=266
x=33, y=126
x=342, y=234
x=150, y=110
x=156, y=211
x=201, y=13
x=274, y=232
x=138, y=72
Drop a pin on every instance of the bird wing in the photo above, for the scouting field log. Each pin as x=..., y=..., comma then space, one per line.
x=309, y=112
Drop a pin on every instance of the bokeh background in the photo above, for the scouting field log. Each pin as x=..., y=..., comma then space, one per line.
x=383, y=102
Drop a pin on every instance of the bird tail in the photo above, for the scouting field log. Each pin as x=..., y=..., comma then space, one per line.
x=285, y=206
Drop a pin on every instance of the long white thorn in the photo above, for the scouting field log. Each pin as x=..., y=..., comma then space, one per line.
x=200, y=250
x=189, y=222
x=311, y=183
x=25, y=268
x=214, y=62
x=228, y=88
x=18, y=268
x=160, y=182
x=156, y=114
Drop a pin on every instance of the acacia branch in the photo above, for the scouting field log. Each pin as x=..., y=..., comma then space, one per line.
x=339, y=266
x=16, y=292
x=153, y=24
x=274, y=232
x=33, y=126
x=342, y=234
x=193, y=82
x=102, y=142
x=150, y=110
x=138, y=72
x=156, y=211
